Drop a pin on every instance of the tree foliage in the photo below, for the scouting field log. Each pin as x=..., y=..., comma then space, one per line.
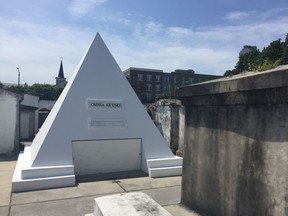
x=43, y=91
x=270, y=57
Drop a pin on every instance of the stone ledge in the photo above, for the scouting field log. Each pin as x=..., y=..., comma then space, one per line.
x=129, y=204
x=275, y=78
x=263, y=96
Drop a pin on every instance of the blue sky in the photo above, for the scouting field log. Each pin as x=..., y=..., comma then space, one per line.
x=204, y=35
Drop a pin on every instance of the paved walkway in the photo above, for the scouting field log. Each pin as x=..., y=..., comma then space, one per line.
x=79, y=200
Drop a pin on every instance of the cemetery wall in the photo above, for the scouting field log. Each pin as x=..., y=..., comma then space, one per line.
x=9, y=121
x=236, y=145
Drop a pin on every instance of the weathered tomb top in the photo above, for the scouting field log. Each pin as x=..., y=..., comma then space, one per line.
x=274, y=78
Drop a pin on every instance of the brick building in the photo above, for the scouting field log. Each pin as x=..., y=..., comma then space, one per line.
x=179, y=78
x=147, y=83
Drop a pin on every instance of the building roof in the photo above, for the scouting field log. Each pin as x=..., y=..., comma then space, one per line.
x=143, y=69
x=4, y=93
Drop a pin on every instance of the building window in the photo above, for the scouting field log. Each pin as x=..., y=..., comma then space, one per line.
x=175, y=80
x=166, y=88
x=158, y=78
x=149, y=96
x=158, y=88
x=183, y=80
x=149, y=78
x=139, y=77
x=167, y=79
x=191, y=80
x=149, y=87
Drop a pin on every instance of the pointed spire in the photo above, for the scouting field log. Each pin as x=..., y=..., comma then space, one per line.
x=60, y=79
x=61, y=71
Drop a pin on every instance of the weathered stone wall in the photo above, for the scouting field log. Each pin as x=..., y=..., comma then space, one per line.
x=9, y=122
x=236, y=145
x=170, y=120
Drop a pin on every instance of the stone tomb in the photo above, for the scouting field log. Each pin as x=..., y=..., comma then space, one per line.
x=129, y=204
x=98, y=125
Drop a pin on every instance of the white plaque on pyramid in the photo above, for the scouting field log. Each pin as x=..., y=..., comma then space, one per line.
x=107, y=123
x=102, y=104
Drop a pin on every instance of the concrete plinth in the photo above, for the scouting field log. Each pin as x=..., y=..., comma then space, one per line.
x=133, y=204
x=104, y=116
x=34, y=178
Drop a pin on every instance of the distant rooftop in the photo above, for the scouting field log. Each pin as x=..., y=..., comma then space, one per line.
x=247, y=49
x=189, y=71
x=11, y=84
x=143, y=69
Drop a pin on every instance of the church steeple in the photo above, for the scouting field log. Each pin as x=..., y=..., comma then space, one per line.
x=61, y=72
x=61, y=80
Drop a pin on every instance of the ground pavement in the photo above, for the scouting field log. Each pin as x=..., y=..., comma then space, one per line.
x=79, y=200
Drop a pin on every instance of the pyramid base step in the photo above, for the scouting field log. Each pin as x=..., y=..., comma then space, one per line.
x=54, y=180
x=165, y=171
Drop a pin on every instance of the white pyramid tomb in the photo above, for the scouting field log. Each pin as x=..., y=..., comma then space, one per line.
x=98, y=125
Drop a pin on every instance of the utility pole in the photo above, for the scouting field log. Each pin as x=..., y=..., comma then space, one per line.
x=17, y=147
x=18, y=77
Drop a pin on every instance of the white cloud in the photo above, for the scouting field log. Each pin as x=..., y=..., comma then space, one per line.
x=163, y=54
x=36, y=48
x=82, y=7
x=236, y=15
x=270, y=14
x=168, y=59
x=206, y=50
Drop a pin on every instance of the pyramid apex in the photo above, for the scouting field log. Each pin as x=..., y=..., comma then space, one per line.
x=97, y=39
x=98, y=35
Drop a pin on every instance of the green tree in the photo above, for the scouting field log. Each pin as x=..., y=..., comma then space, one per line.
x=57, y=92
x=270, y=57
x=44, y=91
x=17, y=89
x=273, y=52
x=247, y=61
x=284, y=57
x=267, y=64
x=230, y=73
